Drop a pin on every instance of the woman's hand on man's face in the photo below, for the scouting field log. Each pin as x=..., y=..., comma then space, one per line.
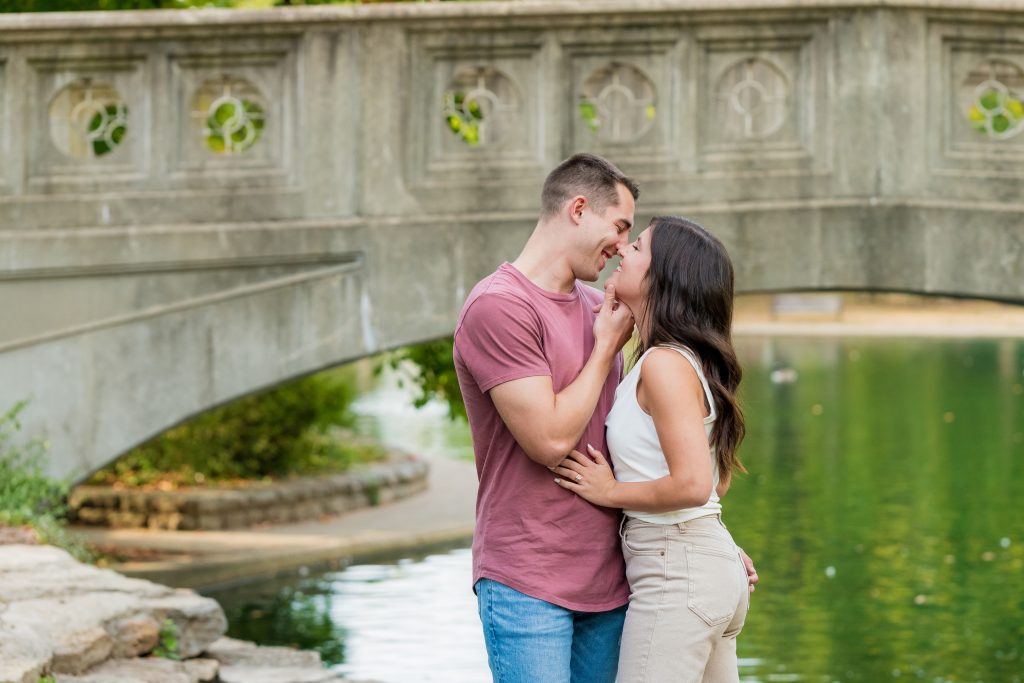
x=591, y=479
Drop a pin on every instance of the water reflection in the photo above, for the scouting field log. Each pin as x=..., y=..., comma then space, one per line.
x=408, y=621
x=386, y=412
x=880, y=509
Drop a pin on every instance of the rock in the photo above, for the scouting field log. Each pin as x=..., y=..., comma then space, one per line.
x=24, y=653
x=242, y=662
x=37, y=572
x=80, y=650
x=65, y=617
x=88, y=625
x=134, y=635
x=200, y=620
x=202, y=669
x=229, y=651
x=144, y=670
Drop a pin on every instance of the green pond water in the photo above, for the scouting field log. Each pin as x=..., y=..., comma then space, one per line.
x=880, y=509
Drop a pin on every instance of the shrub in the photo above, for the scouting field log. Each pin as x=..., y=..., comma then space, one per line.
x=287, y=430
x=433, y=373
x=28, y=497
x=26, y=493
x=167, y=648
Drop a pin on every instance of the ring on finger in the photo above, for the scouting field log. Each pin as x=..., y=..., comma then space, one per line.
x=578, y=477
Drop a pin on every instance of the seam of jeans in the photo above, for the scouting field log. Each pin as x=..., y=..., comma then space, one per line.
x=498, y=678
x=657, y=615
x=744, y=605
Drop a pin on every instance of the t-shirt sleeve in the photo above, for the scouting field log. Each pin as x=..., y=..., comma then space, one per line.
x=500, y=340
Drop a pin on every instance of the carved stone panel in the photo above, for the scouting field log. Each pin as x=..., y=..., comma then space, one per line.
x=625, y=99
x=233, y=115
x=763, y=99
x=977, y=96
x=88, y=121
x=753, y=100
x=474, y=108
x=617, y=103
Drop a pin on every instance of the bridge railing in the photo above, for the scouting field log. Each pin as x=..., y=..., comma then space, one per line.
x=175, y=117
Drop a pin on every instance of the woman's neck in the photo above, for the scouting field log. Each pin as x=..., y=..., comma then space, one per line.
x=642, y=328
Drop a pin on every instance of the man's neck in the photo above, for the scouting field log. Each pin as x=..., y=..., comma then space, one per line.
x=548, y=273
x=545, y=264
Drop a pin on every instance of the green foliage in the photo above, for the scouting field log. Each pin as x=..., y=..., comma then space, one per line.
x=588, y=112
x=337, y=2
x=168, y=645
x=26, y=493
x=46, y=679
x=231, y=130
x=99, y=5
x=463, y=117
x=28, y=497
x=998, y=110
x=371, y=488
x=114, y=116
x=431, y=368
x=287, y=430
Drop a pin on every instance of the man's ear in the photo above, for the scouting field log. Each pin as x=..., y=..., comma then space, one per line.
x=576, y=207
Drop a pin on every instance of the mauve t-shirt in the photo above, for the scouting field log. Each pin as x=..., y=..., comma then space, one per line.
x=531, y=534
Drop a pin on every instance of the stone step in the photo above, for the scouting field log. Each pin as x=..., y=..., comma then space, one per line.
x=147, y=670
x=243, y=662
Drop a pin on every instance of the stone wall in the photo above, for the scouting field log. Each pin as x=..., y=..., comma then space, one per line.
x=255, y=503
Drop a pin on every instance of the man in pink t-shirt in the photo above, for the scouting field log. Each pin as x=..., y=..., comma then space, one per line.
x=537, y=355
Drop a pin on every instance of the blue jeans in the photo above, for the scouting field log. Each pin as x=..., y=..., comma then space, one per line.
x=532, y=641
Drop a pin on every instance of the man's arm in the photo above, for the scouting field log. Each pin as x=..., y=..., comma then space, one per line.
x=548, y=425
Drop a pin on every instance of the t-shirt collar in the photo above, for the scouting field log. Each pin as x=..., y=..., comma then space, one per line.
x=574, y=295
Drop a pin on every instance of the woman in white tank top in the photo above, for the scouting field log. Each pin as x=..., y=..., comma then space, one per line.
x=672, y=436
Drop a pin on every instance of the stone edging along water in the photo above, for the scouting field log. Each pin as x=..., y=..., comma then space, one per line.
x=211, y=509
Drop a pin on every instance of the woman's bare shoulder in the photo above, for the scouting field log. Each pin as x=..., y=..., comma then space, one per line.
x=670, y=385
x=665, y=367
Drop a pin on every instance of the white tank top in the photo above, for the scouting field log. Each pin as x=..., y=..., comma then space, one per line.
x=636, y=452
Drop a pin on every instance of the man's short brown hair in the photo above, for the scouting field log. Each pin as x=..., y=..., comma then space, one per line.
x=588, y=175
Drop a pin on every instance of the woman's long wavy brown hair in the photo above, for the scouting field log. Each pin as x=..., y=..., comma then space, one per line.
x=689, y=303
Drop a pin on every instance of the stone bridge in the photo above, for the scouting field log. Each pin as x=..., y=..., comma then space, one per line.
x=195, y=205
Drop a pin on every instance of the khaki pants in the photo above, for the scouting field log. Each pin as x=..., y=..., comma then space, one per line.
x=688, y=599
